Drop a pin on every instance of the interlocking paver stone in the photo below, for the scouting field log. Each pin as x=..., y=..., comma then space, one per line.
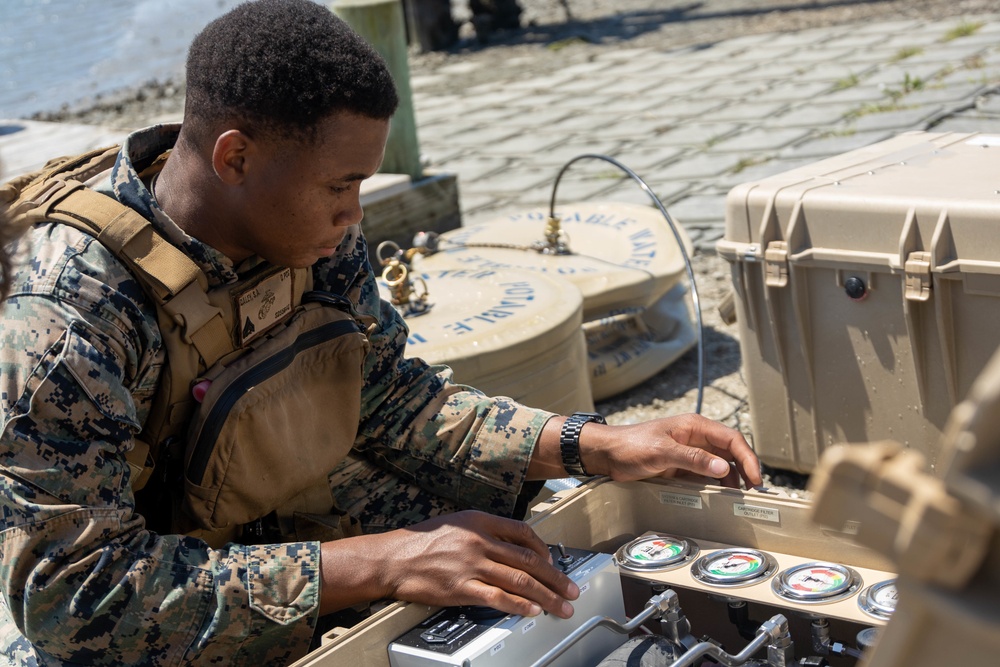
x=834, y=145
x=759, y=139
x=810, y=115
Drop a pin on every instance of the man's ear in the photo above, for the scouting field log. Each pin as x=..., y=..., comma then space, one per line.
x=232, y=155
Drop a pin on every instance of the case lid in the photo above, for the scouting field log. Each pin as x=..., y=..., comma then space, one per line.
x=878, y=207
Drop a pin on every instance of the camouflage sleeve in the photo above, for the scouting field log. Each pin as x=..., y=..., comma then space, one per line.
x=83, y=581
x=449, y=438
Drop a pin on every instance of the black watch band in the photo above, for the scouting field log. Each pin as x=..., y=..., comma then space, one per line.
x=569, y=441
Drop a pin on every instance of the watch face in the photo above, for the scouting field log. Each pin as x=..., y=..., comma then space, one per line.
x=656, y=552
x=879, y=600
x=816, y=583
x=734, y=567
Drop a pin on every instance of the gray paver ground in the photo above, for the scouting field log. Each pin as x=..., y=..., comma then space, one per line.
x=697, y=121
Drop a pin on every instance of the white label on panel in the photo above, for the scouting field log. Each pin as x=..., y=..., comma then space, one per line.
x=851, y=527
x=758, y=513
x=680, y=500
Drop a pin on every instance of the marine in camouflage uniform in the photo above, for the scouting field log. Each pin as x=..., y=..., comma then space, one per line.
x=80, y=358
x=287, y=110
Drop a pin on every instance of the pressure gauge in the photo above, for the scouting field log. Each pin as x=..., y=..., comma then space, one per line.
x=816, y=583
x=879, y=600
x=732, y=568
x=656, y=552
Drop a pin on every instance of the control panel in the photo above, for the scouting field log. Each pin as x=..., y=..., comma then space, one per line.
x=484, y=637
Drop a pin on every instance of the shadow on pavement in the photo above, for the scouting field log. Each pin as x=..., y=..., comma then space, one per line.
x=630, y=24
x=722, y=358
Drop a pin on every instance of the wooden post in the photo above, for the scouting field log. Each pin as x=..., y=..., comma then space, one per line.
x=381, y=24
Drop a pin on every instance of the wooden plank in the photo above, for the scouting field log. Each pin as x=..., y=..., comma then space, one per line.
x=380, y=186
x=428, y=205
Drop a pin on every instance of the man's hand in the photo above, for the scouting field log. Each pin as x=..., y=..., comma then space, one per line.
x=683, y=444
x=467, y=558
x=686, y=444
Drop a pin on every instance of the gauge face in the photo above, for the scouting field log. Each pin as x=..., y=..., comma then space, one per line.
x=655, y=552
x=816, y=582
x=733, y=567
x=885, y=596
x=879, y=600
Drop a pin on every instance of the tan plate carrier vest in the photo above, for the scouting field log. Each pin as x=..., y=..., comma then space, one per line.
x=273, y=359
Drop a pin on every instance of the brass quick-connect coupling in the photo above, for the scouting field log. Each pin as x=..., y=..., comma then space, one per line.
x=400, y=279
x=554, y=238
x=553, y=226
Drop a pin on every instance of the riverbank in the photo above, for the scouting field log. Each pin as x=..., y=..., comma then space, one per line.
x=592, y=27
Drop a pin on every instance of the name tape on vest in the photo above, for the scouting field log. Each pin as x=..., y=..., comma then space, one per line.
x=263, y=304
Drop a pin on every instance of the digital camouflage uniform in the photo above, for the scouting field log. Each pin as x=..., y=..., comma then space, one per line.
x=83, y=580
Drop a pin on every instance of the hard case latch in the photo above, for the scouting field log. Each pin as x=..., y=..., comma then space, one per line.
x=776, y=264
x=918, y=276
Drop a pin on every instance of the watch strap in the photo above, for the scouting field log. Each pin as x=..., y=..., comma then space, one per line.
x=569, y=441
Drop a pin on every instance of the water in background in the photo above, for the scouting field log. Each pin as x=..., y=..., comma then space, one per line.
x=59, y=52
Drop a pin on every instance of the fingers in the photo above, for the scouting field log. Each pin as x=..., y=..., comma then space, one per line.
x=722, y=445
x=520, y=569
x=697, y=461
x=732, y=478
x=519, y=533
x=519, y=591
x=476, y=558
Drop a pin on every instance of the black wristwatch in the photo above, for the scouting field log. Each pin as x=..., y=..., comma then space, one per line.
x=569, y=441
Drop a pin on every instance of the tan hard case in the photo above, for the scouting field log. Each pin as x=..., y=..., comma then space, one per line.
x=603, y=515
x=867, y=292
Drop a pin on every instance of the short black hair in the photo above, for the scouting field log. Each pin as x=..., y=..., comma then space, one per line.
x=281, y=67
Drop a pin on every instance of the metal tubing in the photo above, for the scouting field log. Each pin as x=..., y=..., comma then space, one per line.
x=652, y=610
x=769, y=631
x=699, y=651
x=696, y=301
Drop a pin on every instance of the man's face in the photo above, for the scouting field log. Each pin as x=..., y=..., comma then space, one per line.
x=303, y=195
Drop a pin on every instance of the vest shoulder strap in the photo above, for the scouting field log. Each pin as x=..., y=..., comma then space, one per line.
x=170, y=278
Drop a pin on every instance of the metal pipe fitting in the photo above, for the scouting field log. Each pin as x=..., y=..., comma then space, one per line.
x=824, y=644
x=674, y=625
x=821, y=636
x=771, y=632
x=781, y=650
x=656, y=606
